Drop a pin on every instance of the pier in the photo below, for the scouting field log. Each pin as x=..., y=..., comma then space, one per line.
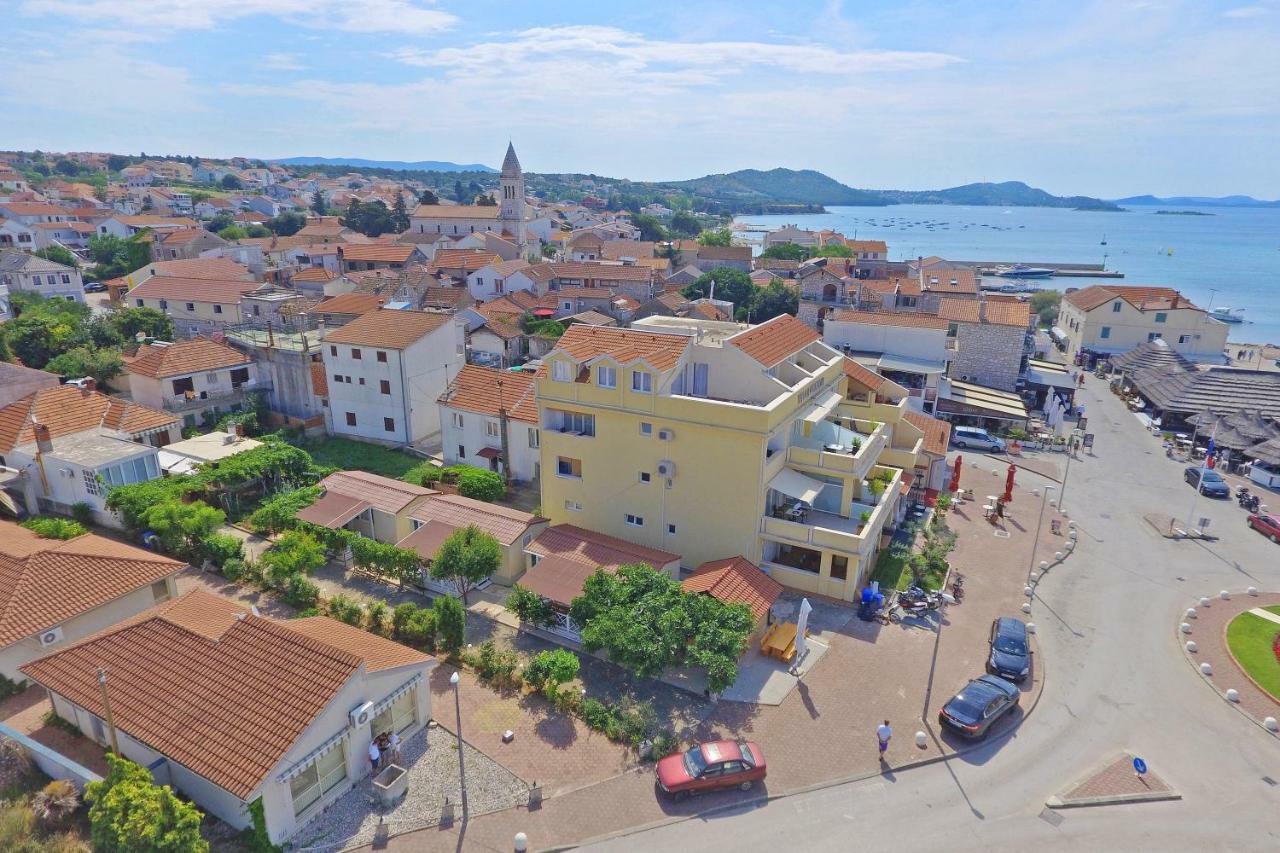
x=1060, y=270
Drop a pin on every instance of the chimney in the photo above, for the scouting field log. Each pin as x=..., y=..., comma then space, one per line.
x=88, y=385
x=44, y=442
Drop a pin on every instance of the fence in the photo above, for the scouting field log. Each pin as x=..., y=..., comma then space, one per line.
x=53, y=764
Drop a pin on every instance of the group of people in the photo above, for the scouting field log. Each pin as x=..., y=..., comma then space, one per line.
x=384, y=750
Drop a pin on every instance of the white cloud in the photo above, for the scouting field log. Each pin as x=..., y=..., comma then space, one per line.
x=358, y=16
x=283, y=62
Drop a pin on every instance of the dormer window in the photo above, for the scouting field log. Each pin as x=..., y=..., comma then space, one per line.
x=561, y=371
x=607, y=377
x=642, y=382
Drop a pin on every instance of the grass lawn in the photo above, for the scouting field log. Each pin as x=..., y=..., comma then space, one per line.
x=891, y=571
x=348, y=455
x=1249, y=637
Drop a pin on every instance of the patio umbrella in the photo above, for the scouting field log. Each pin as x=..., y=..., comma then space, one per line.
x=955, y=477
x=1008, y=485
x=801, y=624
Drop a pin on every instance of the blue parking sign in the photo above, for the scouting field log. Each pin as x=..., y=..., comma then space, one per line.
x=1139, y=766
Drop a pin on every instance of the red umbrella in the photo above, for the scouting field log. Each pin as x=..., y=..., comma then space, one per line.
x=1008, y=485
x=955, y=476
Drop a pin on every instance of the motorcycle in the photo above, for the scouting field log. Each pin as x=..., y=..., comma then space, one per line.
x=1247, y=500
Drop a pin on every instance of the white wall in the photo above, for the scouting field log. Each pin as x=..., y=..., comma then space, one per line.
x=473, y=436
x=906, y=341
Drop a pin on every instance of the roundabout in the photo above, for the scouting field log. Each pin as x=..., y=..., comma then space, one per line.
x=1233, y=641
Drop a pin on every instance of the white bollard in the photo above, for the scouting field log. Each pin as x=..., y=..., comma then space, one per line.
x=1026, y=608
x=1191, y=613
x=1031, y=627
x=1206, y=668
x=1035, y=493
x=1204, y=602
x=1028, y=591
x=921, y=739
x=1191, y=646
x=1072, y=533
x=1069, y=546
x=1271, y=724
x=1224, y=595
x=1035, y=576
x=1057, y=556
x=1186, y=627
x=1071, y=524
x=1053, y=502
x=1253, y=590
x=521, y=842
x=1233, y=695
x=1044, y=564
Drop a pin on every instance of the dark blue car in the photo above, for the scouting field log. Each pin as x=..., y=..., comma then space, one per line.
x=1210, y=482
x=974, y=710
x=1010, y=654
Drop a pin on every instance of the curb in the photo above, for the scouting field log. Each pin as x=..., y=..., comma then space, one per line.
x=1265, y=692
x=1114, y=800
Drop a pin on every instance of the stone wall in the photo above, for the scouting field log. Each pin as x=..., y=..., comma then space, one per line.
x=988, y=354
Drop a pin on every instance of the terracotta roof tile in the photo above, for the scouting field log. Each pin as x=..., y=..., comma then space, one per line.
x=905, y=319
x=382, y=493
x=350, y=303
x=456, y=211
x=223, y=269
x=502, y=523
x=596, y=549
x=319, y=274
x=660, y=351
x=377, y=652
x=182, y=357
x=1093, y=296
x=475, y=389
x=937, y=432
x=735, y=580
x=193, y=289
x=396, y=253
x=774, y=340
x=388, y=328
x=863, y=375
x=67, y=410
x=463, y=259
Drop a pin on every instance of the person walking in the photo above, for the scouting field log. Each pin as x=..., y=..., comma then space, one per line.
x=375, y=755
x=393, y=743
x=882, y=735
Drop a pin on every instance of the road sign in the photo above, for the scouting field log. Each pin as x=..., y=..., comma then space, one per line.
x=1139, y=766
x=1088, y=439
x=1204, y=523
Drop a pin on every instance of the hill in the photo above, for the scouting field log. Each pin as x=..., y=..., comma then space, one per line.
x=397, y=165
x=1199, y=201
x=777, y=185
x=1006, y=194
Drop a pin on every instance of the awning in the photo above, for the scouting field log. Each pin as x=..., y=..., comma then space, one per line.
x=175, y=463
x=396, y=694
x=821, y=410
x=333, y=510
x=489, y=453
x=793, y=484
x=427, y=539
x=544, y=312
x=313, y=756
x=910, y=365
x=1047, y=373
x=1058, y=333
x=965, y=398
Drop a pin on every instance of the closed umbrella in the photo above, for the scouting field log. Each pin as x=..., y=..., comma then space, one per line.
x=801, y=624
x=1008, y=485
x=955, y=477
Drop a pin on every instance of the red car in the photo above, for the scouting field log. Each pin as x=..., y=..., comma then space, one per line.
x=711, y=765
x=1267, y=525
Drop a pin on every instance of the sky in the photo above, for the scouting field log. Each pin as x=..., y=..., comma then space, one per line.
x=1108, y=98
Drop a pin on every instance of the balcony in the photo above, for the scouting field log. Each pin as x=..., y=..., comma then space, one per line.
x=195, y=400
x=829, y=447
x=833, y=532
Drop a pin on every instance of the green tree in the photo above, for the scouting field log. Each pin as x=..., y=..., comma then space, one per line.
x=116, y=162
x=287, y=224
x=102, y=364
x=129, y=813
x=385, y=560
x=399, y=214
x=428, y=197
x=716, y=237
x=134, y=500
x=180, y=526
x=771, y=301
x=233, y=232
x=486, y=200
x=466, y=557
x=834, y=250
x=685, y=224
x=650, y=228
x=786, y=252
x=1044, y=303
x=150, y=321
x=35, y=338
x=459, y=194
x=231, y=182
x=450, y=623
x=219, y=223
x=66, y=167
x=730, y=285
x=551, y=668
x=256, y=230
x=295, y=553
x=317, y=203
x=59, y=255
x=147, y=203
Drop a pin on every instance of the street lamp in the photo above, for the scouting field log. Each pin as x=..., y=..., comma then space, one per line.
x=462, y=770
x=1039, y=524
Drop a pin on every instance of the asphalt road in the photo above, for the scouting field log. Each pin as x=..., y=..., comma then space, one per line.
x=1116, y=680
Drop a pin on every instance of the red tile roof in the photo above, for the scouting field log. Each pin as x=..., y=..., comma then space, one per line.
x=937, y=432
x=389, y=329
x=183, y=357
x=349, y=303
x=395, y=253
x=1091, y=297
x=864, y=376
x=735, y=580
x=180, y=289
x=502, y=523
x=223, y=269
x=582, y=342
x=476, y=389
x=67, y=410
x=596, y=549
x=905, y=319
x=774, y=340
x=382, y=493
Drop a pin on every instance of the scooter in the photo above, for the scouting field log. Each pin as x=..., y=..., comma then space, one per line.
x=1247, y=500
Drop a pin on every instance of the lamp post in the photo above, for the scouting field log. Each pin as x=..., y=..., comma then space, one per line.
x=1044, y=499
x=462, y=770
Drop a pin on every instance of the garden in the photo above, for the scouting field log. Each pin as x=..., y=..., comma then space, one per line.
x=918, y=553
x=1255, y=644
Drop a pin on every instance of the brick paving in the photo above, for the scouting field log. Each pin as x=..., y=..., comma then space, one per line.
x=1208, y=630
x=25, y=712
x=1117, y=779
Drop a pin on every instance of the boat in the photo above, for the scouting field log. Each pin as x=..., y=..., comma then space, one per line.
x=1228, y=315
x=1024, y=271
x=1104, y=240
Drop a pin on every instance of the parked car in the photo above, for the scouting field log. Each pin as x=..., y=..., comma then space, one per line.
x=1267, y=525
x=711, y=765
x=973, y=710
x=978, y=439
x=1209, y=481
x=1010, y=653
x=95, y=287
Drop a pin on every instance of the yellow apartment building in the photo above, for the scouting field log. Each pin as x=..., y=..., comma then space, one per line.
x=713, y=439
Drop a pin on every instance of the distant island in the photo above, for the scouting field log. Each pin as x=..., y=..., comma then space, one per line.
x=395, y=165
x=1198, y=201
x=1183, y=213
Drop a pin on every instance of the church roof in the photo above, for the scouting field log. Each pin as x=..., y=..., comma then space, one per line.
x=510, y=163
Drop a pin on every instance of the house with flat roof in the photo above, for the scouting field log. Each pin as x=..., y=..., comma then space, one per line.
x=59, y=592
x=231, y=708
x=908, y=348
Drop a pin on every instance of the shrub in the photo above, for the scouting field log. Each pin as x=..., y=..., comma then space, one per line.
x=663, y=745
x=451, y=621
x=377, y=617
x=637, y=720
x=420, y=629
x=479, y=483
x=9, y=687
x=300, y=592
x=280, y=510
x=14, y=755
x=55, y=802
x=568, y=702
x=82, y=512
x=529, y=606
x=233, y=569
x=596, y=714
x=401, y=616
x=17, y=826
x=346, y=610
x=50, y=527
x=426, y=474
x=294, y=553
x=550, y=669
x=128, y=812
x=496, y=665
x=221, y=547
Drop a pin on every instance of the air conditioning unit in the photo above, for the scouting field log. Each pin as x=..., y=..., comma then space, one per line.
x=361, y=715
x=666, y=434
x=666, y=468
x=50, y=637
x=66, y=472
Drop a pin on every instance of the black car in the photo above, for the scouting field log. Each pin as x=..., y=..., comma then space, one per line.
x=1210, y=481
x=1010, y=655
x=973, y=710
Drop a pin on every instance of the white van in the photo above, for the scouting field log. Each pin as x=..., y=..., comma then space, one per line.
x=976, y=438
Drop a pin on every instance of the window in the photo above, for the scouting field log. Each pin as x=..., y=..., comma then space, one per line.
x=91, y=484
x=191, y=306
x=646, y=428
x=239, y=376
x=1161, y=317
x=384, y=386
x=399, y=715
x=183, y=386
x=382, y=357
x=1182, y=339
x=567, y=305
x=351, y=418
x=333, y=350
x=671, y=530
x=457, y=420
x=568, y=467
x=323, y=776
x=533, y=438
x=839, y=567
x=462, y=451
x=635, y=520
x=561, y=371
x=361, y=379
x=160, y=591
x=573, y=506
x=217, y=309
x=575, y=422
x=491, y=429
x=1105, y=333
x=645, y=477
x=953, y=329
x=1115, y=307
x=1153, y=336
x=389, y=424
x=642, y=382
x=355, y=353
x=211, y=378
x=139, y=302
x=607, y=377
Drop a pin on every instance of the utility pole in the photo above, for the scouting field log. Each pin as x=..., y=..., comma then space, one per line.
x=1195, y=499
x=106, y=707
x=503, y=438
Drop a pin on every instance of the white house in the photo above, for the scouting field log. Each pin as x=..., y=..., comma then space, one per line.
x=909, y=348
x=196, y=305
x=385, y=370
x=57, y=592
x=21, y=272
x=195, y=379
x=490, y=281
x=474, y=409
x=285, y=710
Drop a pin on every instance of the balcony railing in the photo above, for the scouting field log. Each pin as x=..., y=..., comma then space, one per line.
x=193, y=400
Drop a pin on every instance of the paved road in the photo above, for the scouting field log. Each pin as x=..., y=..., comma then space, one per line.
x=1115, y=681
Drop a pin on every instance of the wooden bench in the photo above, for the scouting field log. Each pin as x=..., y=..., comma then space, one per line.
x=780, y=641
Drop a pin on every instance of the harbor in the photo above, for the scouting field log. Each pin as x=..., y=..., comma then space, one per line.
x=1060, y=270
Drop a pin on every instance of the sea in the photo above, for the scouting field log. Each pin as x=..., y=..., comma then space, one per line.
x=1229, y=258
